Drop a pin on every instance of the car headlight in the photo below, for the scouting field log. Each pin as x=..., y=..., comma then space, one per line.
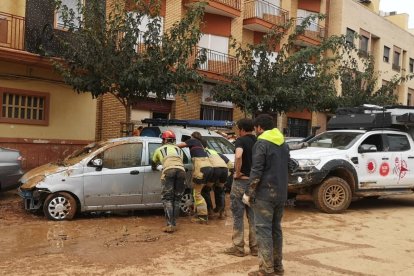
x=308, y=163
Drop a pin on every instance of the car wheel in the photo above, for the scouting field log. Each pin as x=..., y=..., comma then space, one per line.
x=187, y=204
x=60, y=206
x=332, y=196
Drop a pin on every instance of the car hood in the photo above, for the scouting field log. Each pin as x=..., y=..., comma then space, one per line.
x=34, y=176
x=313, y=153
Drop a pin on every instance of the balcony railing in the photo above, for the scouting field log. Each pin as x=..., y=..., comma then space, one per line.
x=396, y=67
x=218, y=63
x=265, y=11
x=12, y=29
x=235, y=4
x=313, y=30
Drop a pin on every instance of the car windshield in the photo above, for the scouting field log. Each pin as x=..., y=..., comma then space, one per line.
x=219, y=144
x=81, y=153
x=337, y=140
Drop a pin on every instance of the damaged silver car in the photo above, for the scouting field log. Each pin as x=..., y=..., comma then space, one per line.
x=111, y=175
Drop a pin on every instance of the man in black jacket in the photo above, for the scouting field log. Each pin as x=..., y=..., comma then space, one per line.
x=267, y=193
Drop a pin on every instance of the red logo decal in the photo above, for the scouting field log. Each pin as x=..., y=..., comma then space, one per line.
x=384, y=169
x=371, y=166
x=400, y=168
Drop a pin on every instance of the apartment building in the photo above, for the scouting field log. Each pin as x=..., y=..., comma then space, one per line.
x=40, y=115
x=244, y=20
x=62, y=120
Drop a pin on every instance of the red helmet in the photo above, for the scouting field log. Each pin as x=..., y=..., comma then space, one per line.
x=168, y=134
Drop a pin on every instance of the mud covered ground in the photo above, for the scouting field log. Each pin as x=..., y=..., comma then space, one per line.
x=374, y=237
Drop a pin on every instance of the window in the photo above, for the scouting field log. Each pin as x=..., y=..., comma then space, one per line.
x=386, y=57
x=24, y=107
x=376, y=140
x=216, y=113
x=219, y=144
x=214, y=42
x=122, y=156
x=411, y=65
x=302, y=14
x=298, y=127
x=363, y=47
x=410, y=97
x=71, y=5
x=350, y=36
x=396, y=59
x=398, y=142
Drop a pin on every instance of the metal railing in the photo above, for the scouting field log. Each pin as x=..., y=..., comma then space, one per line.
x=12, y=28
x=265, y=11
x=218, y=63
x=313, y=30
x=231, y=3
x=396, y=67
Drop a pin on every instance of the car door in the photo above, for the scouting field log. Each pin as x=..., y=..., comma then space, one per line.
x=118, y=184
x=152, y=184
x=402, y=166
x=375, y=168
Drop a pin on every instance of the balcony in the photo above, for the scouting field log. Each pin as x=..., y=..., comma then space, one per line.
x=228, y=8
x=12, y=28
x=396, y=67
x=313, y=34
x=217, y=64
x=261, y=16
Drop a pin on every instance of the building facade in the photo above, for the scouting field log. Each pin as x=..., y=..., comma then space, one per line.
x=40, y=115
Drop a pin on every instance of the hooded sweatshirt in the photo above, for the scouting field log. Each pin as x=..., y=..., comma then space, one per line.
x=269, y=173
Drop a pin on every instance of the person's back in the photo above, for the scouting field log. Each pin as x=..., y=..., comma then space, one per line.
x=273, y=183
x=246, y=143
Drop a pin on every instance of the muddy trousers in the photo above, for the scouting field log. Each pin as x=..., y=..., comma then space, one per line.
x=219, y=197
x=238, y=208
x=268, y=216
x=200, y=204
x=173, y=186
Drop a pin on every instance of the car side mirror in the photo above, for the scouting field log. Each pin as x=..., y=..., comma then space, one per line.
x=97, y=163
x=367, y=148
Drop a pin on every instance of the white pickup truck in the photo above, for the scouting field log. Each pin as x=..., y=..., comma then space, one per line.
x=342, y=164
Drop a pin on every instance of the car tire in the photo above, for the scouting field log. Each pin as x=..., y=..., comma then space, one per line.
x=60, y=206
x=333, y=195
x=187, y=204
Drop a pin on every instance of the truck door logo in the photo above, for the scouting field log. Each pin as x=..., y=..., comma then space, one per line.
x=371, y=166
x=384, y=169
x=400, y=168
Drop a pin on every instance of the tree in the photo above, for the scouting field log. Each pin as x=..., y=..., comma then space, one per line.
x=116, y=54
x=359, y=83
x=294, y=79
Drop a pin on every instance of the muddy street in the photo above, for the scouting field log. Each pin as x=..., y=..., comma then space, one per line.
x=374, y=237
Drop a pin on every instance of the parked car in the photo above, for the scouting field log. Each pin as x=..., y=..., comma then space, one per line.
x=110, y=175
x=10, y=168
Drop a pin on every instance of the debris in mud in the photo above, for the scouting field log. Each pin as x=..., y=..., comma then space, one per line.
x=127, y=238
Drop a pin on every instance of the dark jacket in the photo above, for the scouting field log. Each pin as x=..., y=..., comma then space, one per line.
x=269, y=174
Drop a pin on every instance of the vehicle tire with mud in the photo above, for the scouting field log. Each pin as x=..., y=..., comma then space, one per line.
x=333, y=195
x=60, y=206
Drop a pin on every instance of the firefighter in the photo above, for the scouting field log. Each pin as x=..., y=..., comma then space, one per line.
x=202, y=170
x=222, y=168
x=172, y=177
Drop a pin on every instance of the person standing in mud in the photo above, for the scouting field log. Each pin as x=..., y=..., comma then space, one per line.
x=172, y=177
x=221, y=170
x=267, y=193
x=242, y=164
x=202, y=170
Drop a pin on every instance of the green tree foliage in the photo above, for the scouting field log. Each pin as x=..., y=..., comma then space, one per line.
x=297, y=78
x=302, y=77
x=360, y=82
x=108, y=51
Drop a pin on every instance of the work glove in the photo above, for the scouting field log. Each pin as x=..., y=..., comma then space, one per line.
x=246, y=199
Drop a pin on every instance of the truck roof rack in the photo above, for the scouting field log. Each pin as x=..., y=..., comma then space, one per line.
x=372, y=116
x=188, y=123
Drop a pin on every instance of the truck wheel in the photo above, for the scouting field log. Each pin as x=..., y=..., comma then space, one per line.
x=60, y=206
x=332, y=196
